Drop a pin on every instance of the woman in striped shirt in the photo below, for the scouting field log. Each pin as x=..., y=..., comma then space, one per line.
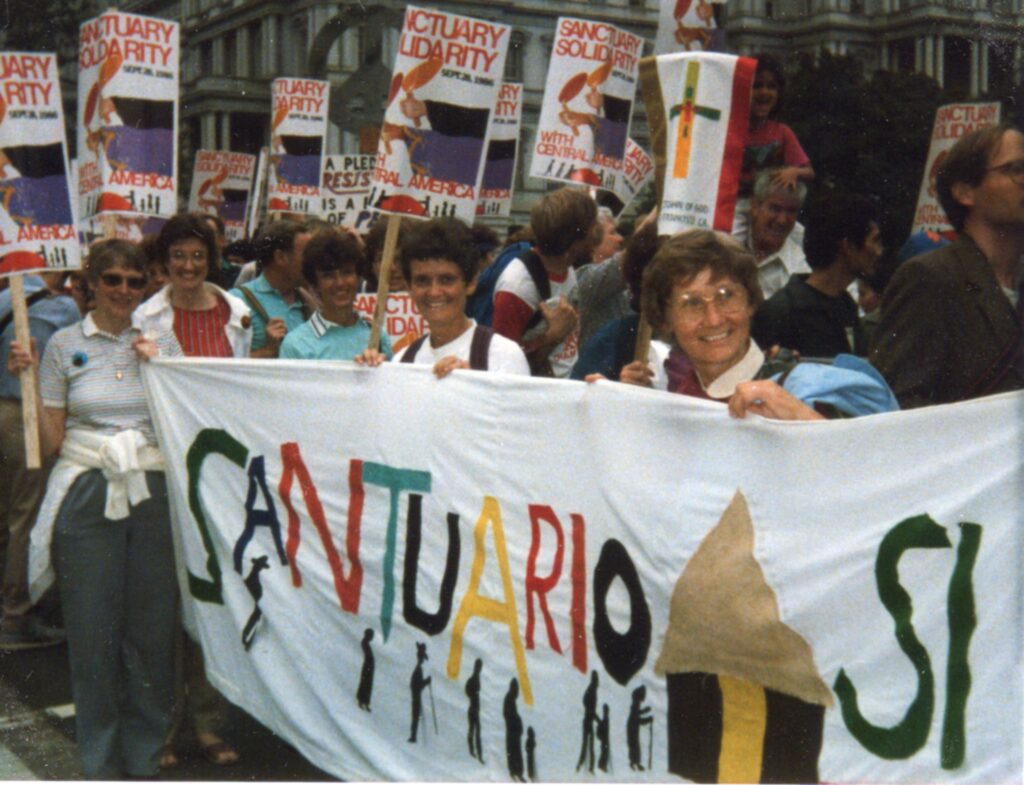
x=208, y=322
x=107, y=515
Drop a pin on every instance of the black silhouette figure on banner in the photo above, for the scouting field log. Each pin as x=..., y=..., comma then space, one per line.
x=603, y=740
x=416, y=686
x=589, y=721
x=531, y=754
x=639, y=715
x=365, y=689
x=473, y=693
x=252, y=583
x=513, y=733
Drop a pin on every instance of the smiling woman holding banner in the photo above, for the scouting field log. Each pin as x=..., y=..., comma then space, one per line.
x=106, y=513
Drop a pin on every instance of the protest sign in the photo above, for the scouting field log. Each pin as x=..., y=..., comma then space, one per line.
x=222, y=185
x=502, y=153
x=297, y=131
x=588, y=104
x=698, y=107
x=952, y=122
x=684, y=25
x=37, y=225
x=754, y=601
x=637, y=172
x=401, y=321
x=345, y=191
x=443, y=91
x=128, y=115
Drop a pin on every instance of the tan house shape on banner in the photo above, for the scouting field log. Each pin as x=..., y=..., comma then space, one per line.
x=745, y=700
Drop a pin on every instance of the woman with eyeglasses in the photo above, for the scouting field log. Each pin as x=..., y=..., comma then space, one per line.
x=701, y=291
x=207, y=321
x=106, y=516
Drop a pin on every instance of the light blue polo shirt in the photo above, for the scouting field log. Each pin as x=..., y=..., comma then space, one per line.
x=276, y=308
x=320, y=339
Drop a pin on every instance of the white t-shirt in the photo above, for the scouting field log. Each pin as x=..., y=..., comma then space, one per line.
x=503, y=355
x=515, y=279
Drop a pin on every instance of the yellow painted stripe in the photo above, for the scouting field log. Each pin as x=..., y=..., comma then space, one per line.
x=744, y=713
x=684, y=139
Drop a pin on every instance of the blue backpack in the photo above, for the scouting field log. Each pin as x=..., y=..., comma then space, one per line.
x=480, y=305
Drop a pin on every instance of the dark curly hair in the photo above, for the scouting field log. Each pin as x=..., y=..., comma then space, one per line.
x=332, y=249
x=440, y=238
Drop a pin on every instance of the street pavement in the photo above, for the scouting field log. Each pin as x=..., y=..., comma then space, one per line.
x=37, y=731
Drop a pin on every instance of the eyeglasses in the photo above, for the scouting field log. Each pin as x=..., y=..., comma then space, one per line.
x=692, y=307
x=114, y=280
x=195, y=256
x=1012, y=169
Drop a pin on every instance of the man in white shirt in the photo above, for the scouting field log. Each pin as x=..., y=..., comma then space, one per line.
x=773, y=234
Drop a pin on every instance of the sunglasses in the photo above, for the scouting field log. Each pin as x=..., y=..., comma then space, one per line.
x=114, y=281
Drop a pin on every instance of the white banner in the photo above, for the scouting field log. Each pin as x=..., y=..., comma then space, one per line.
x=637, y=172
x=128, y=115
x=390, y=561
x=222, y=185
x=443, y=89
x=37, y=222
x=952, y=122
x=588, y=104
x=345, y=191
x=297, y=133
x=698, y=107
x=684, y=26
x=502, y=153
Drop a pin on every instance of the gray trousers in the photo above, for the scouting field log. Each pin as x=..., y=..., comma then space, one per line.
x=119, y=596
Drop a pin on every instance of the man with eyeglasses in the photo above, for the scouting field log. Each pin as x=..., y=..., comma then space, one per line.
x=951, y=318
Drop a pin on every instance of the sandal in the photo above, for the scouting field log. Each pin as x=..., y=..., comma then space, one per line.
x=168, y=757
x=220, y=753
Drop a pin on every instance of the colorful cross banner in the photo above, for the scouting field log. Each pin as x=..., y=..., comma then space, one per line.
x=345, y=191
x=222, y=185
x=588, y=104
x=37, y=225
x=637, y=172
x=298, y=129
x=684, y=26
x=128, y=115
x=502, y=153
x=698, y=107
x=443, y=91
x=952, y=122
x=488, y=577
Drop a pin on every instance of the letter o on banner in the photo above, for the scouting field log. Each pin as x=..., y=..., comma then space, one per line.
x=623, y=654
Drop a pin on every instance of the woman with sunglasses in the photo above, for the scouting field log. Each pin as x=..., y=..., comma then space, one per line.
x=701, y=291
x=207, y=321
x=106, y=515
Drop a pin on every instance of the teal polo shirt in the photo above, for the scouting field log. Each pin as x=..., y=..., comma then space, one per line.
x=320, y=339
x=275, y=306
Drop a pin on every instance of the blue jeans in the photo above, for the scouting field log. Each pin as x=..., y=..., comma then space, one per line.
x=119, y=594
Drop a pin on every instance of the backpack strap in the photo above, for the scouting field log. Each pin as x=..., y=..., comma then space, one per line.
x=31, y=300
x=480, y=347
x=539, y=276
x=309, y=302
x=255, y=304
x=413, y=348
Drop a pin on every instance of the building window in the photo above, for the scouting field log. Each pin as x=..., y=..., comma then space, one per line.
x=637, y=3
x=206, y=58
x=514, y=60
x=256, y=48
x=769, y=9
x=856, y=6
x=230, y=54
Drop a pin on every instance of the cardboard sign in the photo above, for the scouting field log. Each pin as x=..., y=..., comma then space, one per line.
x=37, y=224
x=128, y=115
x=952, y=122
x=684, y=26
x=698, y=106
x=443, y=92
x=637, y=172
x=345, y=191
x=588, y=104
x=222, y=185
x=408, y=588
x=298, y=131
x=402, y=322
x=502, y=153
